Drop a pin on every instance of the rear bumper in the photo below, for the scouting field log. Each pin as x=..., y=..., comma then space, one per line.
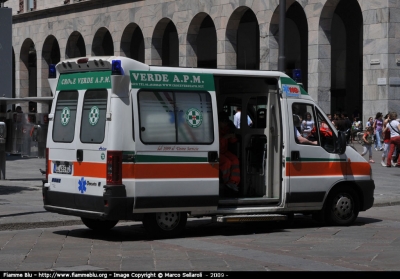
x=113, y=205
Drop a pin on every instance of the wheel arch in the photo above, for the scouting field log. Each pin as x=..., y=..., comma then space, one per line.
x=351, y=184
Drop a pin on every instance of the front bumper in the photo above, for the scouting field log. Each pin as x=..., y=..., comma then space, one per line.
x=366, y=188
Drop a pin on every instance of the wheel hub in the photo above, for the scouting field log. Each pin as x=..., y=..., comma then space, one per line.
x=343, y=207
x=167, y=220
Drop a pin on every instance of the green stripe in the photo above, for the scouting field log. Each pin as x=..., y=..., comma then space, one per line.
x=172, y=80
x=130, y=157
x=167, y=159
x=85, y=80
x=288, y=159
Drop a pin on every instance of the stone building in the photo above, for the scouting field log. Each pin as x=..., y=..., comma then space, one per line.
x=348, y=50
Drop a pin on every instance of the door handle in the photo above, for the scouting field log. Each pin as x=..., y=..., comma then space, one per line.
x=79, y=155
x=295, y=156
x=212, y=156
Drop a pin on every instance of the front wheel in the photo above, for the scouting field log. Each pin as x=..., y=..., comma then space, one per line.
x=342, y=207
x=99, y=225
x=165, y=224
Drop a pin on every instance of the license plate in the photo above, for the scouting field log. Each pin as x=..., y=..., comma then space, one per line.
x=62, y=168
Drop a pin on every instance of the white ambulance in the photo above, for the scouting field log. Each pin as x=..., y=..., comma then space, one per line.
x=128, y=141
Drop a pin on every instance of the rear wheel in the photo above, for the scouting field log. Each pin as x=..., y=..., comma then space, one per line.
x=165, y=224
x=99, y=225
x=342, y=207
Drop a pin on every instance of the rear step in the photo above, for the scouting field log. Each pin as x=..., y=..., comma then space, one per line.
x=250, y=218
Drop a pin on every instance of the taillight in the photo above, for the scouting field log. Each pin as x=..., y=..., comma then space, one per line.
x=114, y=167
x=47, y=164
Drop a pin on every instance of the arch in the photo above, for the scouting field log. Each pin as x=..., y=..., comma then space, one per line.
x=242, y=41
x=201, y=50
x=341, y=33
x=296, y=42
x=165, y=44
x=132, y=42
x=103, y=43
x=50, y=55
x=27, y=71
x=295, y=18
x=75, y=46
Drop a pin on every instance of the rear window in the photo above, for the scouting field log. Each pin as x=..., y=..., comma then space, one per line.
x=65, y=116
x=93, y=120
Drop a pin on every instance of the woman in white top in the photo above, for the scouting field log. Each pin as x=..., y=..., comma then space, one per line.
x=370, y=122
x=394, y=127
x=307, y=125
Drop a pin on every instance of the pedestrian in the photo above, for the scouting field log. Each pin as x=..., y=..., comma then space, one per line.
x=329, y=116
x=386, y=139
x=370, y=122
x=378, y=126
x=18, y=109
x=367, y=143
x=307, y=124
x=394, y=127
x=355, y=127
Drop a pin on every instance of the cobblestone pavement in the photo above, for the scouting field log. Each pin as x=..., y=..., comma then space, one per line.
x=372, y=244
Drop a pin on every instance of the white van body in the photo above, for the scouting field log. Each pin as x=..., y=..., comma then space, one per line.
x=128, y=141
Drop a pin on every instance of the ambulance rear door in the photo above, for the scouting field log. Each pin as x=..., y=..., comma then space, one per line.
x=176, y=137
x=78, y=147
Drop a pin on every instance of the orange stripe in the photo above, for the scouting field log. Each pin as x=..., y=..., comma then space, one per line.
x=90, y=169
x=327, y=168
x=157, y=171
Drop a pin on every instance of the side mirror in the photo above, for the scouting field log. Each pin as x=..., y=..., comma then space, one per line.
x=341, y=142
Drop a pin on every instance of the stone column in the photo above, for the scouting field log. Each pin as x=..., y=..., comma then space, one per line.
x=379, y=53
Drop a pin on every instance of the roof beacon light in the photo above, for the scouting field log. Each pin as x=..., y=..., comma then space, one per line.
x=116, y=68
x=297, y=75
x=52, y=71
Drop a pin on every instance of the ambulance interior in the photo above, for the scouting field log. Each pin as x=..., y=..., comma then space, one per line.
x=259, y=137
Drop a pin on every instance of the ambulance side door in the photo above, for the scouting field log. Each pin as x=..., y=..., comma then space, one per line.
x=176, y=157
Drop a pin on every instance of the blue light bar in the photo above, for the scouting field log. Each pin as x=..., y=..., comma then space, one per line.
x=52, y=71
x=116, y=68
x=297, y=75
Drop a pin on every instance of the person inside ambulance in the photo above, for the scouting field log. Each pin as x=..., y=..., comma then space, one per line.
x=228, y=162
x=300, y=139
x=325, y=133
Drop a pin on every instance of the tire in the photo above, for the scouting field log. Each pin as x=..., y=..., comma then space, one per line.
x=99, y=225
x=165, y=224
x=342, y=207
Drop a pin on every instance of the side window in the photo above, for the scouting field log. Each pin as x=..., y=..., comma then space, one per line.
x=194, y=119
x=175, y=117
x=304, y=124
x=93, y=120
x=326, y=135
x=65, y=116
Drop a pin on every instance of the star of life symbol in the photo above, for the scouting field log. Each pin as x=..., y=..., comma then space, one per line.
x=82, y=185
x=65, y=116
x=194, y=117
x=94, y=115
